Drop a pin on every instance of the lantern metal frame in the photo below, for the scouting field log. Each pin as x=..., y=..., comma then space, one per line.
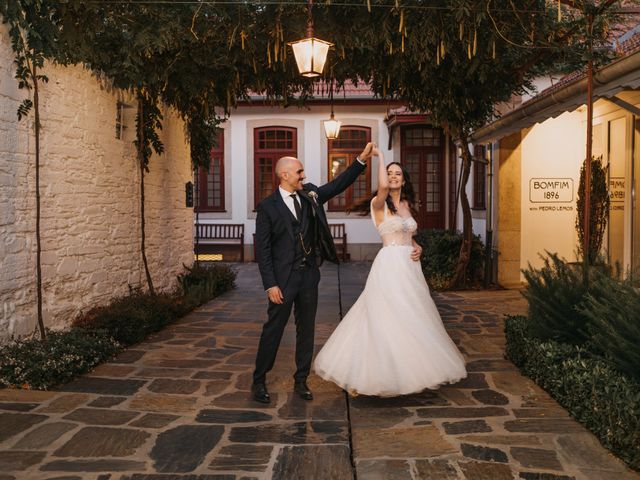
x=310, y=52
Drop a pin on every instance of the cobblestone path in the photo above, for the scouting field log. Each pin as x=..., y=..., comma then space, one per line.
x=178, y=407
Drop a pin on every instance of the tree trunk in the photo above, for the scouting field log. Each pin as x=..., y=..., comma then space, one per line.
x=142, y=169
x=36, y=111
x=460, y=273
x=587, y=165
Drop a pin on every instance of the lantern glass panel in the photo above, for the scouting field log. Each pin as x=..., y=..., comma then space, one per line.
x=332, y=128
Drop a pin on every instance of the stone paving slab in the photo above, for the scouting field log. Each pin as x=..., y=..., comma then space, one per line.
x=178, y=407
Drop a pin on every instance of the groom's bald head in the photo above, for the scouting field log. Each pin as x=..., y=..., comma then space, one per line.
x=290, y=171
x=286, y=164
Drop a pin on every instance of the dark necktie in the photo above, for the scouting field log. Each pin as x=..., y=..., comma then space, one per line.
x=296, y=205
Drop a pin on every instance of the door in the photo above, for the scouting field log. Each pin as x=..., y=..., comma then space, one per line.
x=423, y=158
x=617, y=190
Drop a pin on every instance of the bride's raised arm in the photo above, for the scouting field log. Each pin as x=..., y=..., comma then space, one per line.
x=383, y=182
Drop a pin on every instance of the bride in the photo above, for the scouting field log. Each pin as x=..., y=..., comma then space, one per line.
x=392, y=341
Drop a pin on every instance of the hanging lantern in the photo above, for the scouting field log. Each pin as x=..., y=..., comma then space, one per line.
x=332, y=127
x=310, y=53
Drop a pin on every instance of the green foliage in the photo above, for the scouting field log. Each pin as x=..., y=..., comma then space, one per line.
x=203, y=134
x=587, y=306
x=554, y=293
x=130, y=319
x=34, y=29
x=151, y=117
x=612, y=307
x=598, y=209
x=201, y=283
x=102, y=332
x=606, y=401
x=440, y=249
x=41, y=364
x=446, y=58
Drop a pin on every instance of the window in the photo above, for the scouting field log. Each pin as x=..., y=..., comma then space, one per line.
x=210, y=183
x=120, y=126
x=342, y=153
x=270, y=143
x=479, y=178
x=422, y=137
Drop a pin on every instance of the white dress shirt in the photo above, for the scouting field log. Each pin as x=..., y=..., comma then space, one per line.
x=288, y=201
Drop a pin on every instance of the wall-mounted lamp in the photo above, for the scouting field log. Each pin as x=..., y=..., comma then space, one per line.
x=188, y=194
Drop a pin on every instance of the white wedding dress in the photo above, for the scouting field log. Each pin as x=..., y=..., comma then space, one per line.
x=392, y=341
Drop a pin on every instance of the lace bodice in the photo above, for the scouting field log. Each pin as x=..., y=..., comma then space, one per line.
x=394, y=229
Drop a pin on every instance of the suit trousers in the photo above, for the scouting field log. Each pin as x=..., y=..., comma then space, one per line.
x=301, y=293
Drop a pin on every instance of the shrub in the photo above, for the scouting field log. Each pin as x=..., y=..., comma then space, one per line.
x=97, y=335
x=131, y=318
x=40, y=364
x=553, y=293
x=200, y=283
x=440, y=252
x=605, y=400
x=612, y=308
x=598, y=209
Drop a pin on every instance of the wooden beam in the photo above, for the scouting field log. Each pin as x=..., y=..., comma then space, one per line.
x=626, y=105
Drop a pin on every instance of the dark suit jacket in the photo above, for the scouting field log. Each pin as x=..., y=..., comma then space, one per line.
x=275, y=242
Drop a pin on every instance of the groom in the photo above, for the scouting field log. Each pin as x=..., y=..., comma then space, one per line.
x=292, y=238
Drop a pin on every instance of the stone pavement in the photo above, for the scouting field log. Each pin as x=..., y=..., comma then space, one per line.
x=178, y=407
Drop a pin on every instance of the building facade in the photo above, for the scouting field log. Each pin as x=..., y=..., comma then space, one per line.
x=242, y=170
x=537, y=151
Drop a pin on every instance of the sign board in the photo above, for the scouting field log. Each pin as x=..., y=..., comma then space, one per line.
x=551, y=190
x=616, y=189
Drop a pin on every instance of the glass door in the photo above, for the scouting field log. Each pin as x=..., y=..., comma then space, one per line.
x=423, y=158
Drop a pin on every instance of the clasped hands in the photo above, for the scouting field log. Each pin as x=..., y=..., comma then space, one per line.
x=370, y=150
x=367, y=152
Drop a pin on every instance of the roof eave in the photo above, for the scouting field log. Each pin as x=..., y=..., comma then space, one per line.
x=609, y=80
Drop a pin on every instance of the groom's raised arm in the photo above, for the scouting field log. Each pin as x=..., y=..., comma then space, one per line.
x=263, y=248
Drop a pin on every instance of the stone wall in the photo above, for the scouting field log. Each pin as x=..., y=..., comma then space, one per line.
x=90, y=200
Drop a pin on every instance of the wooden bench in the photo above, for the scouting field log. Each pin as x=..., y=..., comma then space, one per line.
x=212, y=238
x=339, y=234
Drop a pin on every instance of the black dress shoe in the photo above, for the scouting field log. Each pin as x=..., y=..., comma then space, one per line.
x=302, y=389
x=260, y=393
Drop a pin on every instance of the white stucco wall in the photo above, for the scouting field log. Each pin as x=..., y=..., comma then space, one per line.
x=552, y=152
x=89, y=187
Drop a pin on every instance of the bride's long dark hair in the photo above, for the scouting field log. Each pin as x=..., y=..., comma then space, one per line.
x=406, y=193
